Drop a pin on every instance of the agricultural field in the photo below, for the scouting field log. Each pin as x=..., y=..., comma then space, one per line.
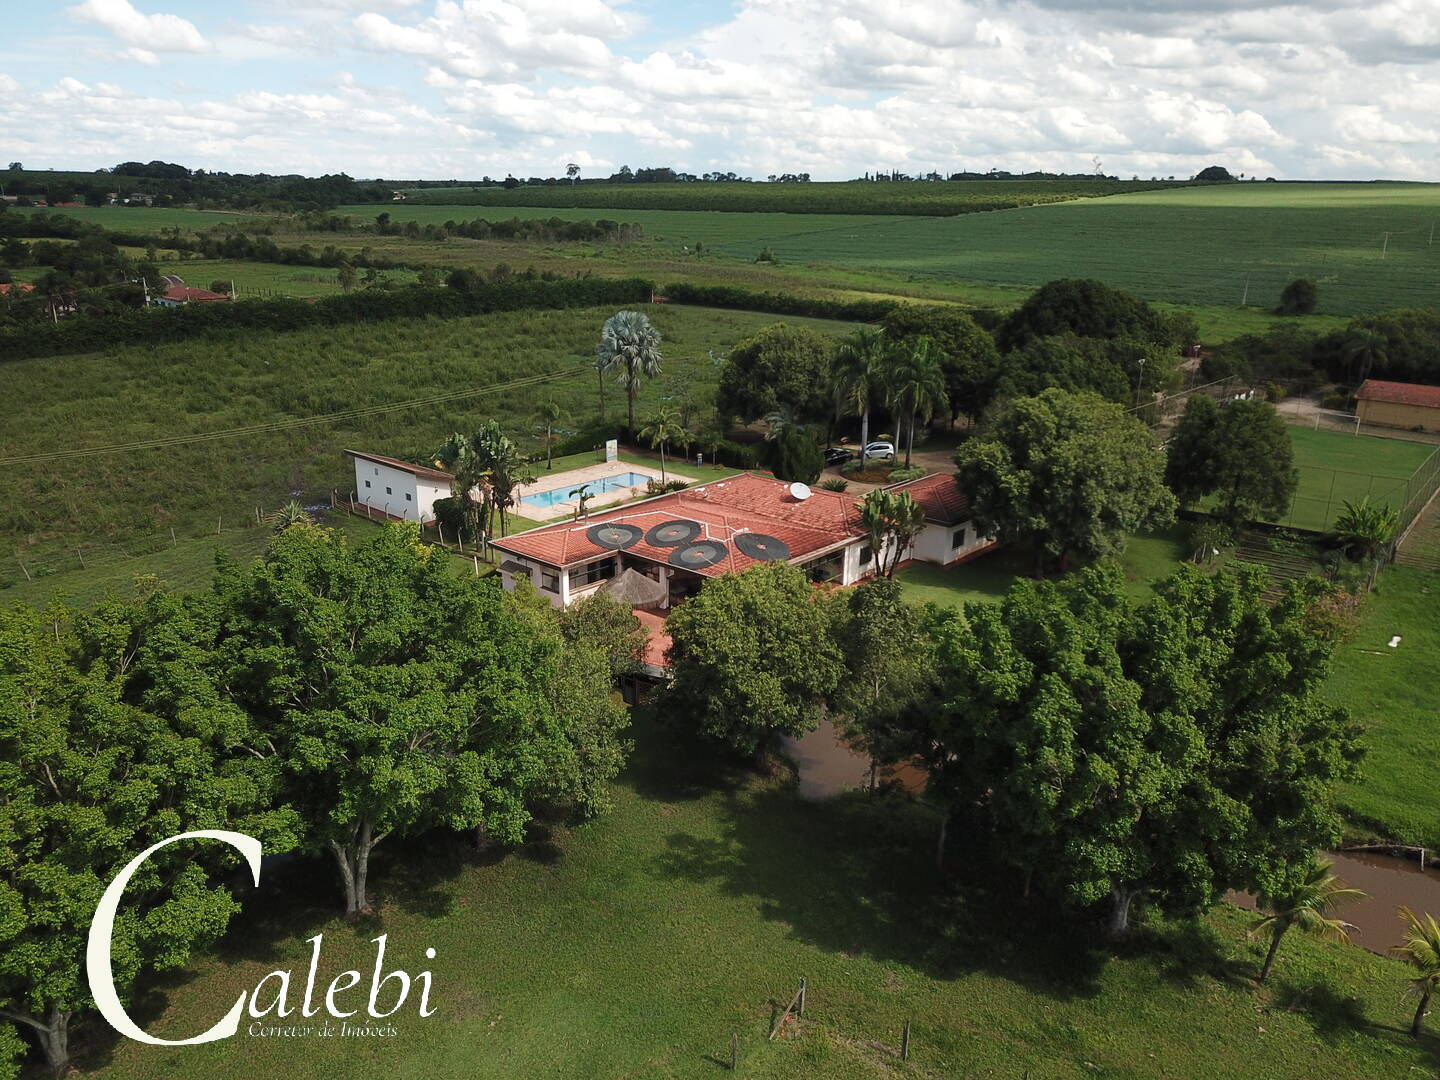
x=100, y=508
x=147, y=219
x=732, y=887
x=1192, y=246
x=843, y=197
x=268, y=279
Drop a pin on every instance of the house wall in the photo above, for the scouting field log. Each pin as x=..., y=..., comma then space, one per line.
x=371, y=480
x=936, y=543
x=1390, y=414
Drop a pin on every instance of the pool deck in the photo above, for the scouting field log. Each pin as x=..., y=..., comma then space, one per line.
x=573, y=478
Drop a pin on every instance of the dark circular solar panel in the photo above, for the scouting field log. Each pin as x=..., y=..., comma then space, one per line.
x=614, y=537
x=673, y=533
x=698, y=555
x=762, y=547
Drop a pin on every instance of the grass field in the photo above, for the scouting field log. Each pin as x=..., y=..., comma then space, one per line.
x=108, y=502
x=1335, y=467
x=637, y=945
x=147, y=219
x=268, y=279
x=1186, y=246
x=1392, y=691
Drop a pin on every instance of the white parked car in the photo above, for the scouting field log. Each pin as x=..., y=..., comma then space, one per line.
x=880, y=450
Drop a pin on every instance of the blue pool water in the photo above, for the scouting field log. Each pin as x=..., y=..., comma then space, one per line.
x=597, y=487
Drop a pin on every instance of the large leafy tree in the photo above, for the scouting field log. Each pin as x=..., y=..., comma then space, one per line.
x=967, y=352
x=397, y=695
x=1164, y=753
x=782, y=369
x=1238, y=452
x=629, y=350
x=1070, y=474
x=114, y=737
x=752, y=657
x=915, y=386
x=1087, y=309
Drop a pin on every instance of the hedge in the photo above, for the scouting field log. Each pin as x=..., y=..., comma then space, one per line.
x=727, y=296
x=155, y=326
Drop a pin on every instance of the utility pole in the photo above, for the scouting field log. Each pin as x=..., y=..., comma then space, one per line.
x=1245, y=296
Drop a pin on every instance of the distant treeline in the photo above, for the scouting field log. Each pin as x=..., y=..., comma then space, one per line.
x=175, y=185
x=727, y=296
x=546, y=230
x=155, y=326
x=941, y=198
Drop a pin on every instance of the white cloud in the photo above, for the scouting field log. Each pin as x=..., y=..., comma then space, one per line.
x=148, y=33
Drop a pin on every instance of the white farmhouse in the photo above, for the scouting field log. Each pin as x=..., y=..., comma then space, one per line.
x=397, y=489
x=949, y=535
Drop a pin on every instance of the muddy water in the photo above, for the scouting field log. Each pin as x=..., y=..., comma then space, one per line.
x=829, y=765
x=1389, y=881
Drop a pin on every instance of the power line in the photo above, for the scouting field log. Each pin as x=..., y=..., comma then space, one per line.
x=284, y=425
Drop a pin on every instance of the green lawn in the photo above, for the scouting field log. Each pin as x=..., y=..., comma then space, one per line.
x=637, y=945
x=1335, y=467
x=1393, y=692
x=1148, y=558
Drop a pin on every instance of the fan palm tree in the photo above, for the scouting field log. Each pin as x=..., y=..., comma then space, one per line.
x=859, y=368
x=663, y=429
x=916, y=385
x=1364, y=349
x=1307, y=903
x=629, y=349
x=1421, y=950
x=551, y=414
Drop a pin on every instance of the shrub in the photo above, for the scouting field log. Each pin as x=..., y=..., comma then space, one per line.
x=833, y=483
x=904, y=473
x=1299, y=297
x=726, y=296
x=1274, y=393
x=657, y=487
x=1336, y=399
x=1208, y=537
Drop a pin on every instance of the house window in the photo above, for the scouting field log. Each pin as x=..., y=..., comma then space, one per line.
x=377, y=472
x=407, y=497
x=866, y=555
x=389, y=492
x=957, y=538
x=550, y=581
x=367, y=483
x=590, y=574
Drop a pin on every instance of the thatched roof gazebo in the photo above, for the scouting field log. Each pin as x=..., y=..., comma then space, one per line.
x=634, y=589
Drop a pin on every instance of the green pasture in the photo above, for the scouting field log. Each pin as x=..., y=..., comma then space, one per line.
x=230, y=381
x=1392, y=692
x=638, y=945
x=1185, y=246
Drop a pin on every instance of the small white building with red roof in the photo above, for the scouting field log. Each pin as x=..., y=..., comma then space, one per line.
x=397, y=490
x=949, y=535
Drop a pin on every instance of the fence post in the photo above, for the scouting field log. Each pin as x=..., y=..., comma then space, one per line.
x=82, y=558
x=173, y=541
x=905, y=1042
x=800, y=1010
x=440, y=531
x=477, y=564
x=22, y=567
x=217, y=525
x=734, y=1051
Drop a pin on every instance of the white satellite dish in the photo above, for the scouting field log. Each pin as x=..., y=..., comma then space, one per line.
x=800, y=491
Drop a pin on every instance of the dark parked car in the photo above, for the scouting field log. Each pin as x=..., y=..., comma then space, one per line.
x=837, y=455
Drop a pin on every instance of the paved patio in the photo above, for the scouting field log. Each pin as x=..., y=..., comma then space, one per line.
x=571, y=479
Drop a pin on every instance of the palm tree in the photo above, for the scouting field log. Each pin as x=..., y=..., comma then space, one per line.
x=663, y=429
x=1421, y=950
x=1364, y=349
x=892, y=517
x=916, y=385
x=599, y=365
x=550, y=414
x=469, y=474
x=859, y=367
x=629, y=349
x=1306, y=902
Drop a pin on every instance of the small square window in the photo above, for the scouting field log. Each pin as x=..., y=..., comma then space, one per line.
x=389, y=492
x=407, y=497
x=957, y=538
x=865, y=556
x=549, y=582
x=367, y=483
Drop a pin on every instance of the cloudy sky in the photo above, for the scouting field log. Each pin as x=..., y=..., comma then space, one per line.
x=463, y=88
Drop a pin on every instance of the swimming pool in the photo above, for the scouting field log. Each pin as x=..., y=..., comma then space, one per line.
x=596, y=487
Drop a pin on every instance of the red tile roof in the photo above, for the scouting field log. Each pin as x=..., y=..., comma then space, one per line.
x=940, y=497
x=404, y=466
x=724, y=509
x=186, y=294
x=23, y=286
x=1399, y=393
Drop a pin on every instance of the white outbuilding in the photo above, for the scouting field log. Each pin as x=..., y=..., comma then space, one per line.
x=397, y=489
